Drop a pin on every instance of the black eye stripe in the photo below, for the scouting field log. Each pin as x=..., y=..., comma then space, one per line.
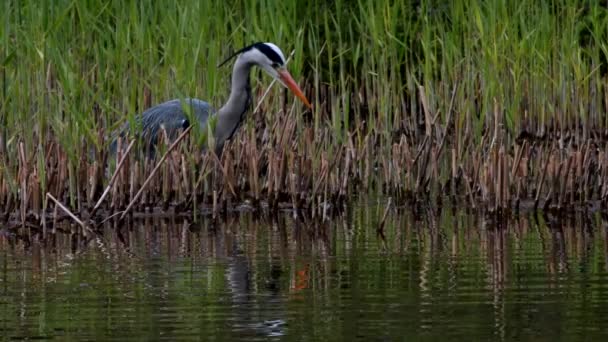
x=269, y=52
x=263, y=48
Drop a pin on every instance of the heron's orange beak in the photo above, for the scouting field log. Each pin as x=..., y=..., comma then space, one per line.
x=293, y=86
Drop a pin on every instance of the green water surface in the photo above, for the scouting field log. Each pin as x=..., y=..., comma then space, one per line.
x=428, y=276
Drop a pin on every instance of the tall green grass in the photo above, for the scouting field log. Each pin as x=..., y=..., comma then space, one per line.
x=73, y=71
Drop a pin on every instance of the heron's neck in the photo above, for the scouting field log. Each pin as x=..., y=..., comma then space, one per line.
x=231, y=113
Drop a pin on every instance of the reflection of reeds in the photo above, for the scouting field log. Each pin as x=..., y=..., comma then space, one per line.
x=497, y=114
x=427, y=261
x=456, y=252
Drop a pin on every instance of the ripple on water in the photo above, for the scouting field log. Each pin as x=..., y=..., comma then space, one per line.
x=252, y=280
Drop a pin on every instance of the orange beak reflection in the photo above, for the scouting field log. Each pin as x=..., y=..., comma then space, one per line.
x=293, y=86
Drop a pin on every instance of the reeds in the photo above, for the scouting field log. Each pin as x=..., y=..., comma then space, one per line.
x=497, y=105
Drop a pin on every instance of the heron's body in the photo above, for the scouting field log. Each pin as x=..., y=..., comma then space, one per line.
x=171, y=115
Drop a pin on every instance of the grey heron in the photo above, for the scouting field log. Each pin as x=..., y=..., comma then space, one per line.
x=172, y=117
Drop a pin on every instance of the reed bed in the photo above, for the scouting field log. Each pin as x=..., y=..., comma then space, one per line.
x=487, y=104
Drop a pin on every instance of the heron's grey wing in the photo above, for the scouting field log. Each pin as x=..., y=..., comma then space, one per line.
x=171, y=116
x=202, y=110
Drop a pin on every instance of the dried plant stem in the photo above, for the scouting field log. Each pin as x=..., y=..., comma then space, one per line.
x=162, y=160
x=67, y=211
x=539, y=187
x=380, y=228
x=114, y=176
x=448, y=120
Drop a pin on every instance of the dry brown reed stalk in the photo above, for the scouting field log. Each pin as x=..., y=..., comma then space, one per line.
x=224, y=170
x=67, y=211
x=285, y=160
x=24, y=173
x=113, y=179
x=160, y=163
x=564, y=182
x=215, y=205
x=380, y=228
x=448, y=121
x=427, y=113
x=539, y=186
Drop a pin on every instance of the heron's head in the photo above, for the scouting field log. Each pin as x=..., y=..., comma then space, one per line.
x=271, y=59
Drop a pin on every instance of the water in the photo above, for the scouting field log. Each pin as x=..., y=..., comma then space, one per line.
x=431, y=277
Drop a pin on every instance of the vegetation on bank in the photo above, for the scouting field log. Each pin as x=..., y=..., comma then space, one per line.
x=493, y=102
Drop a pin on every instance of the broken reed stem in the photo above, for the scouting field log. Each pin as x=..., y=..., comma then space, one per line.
x=448, y=120
x=114, y=176
x=518, y=154
x=224, y=173
x=539, y=188
x=162, y=160
x=23, y=176
x=427, y=114
x=380, y=228
x=109, y=218
x=67, y=211
x=202, y=175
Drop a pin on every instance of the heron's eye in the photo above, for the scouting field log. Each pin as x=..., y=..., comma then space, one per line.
x=276, y=65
